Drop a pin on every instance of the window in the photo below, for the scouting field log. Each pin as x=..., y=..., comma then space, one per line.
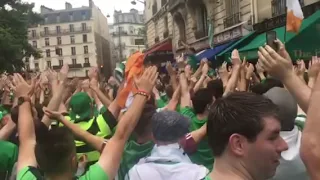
x=58, y=18
x=233, y=10
x=154, y=7
x=83, y=15
x=120, y=18
x=71, y=16
x=156, y=29
x=46, y=30
x=201, y=21
x=34, y=33
x=49, y=64
x=58, y=29
x=73, y=50
x=279, y=7
x=59, y=51
x=131, y=29
x=34, y=44
x=84, y=26
x=47, y=42
x=48, y=53
x=165, y=21
x=71, y=27
x=87, y=73
x=86, y=60
x=72, y=40
x=86, y=51
x=60, y=62
x=59, y=40
x=74, y=61
x=36, y=65
x=27, y=59
x=84, y=38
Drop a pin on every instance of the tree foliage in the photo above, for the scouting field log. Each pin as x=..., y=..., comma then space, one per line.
x=15, y=17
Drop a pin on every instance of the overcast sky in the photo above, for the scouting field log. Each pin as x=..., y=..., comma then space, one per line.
x=106, y=6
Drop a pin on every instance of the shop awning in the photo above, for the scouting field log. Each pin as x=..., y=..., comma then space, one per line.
x=164, y=47
x=227, y=52
x=306, y=40
x=211, y=53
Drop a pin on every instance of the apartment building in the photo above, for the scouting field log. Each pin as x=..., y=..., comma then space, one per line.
x=75, y=36
x=128, y=33
x=188, y=21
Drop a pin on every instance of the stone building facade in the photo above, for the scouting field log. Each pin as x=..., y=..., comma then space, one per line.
x=189, y=20
x=75, y=36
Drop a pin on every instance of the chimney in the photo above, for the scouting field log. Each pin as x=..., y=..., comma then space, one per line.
x=44, y=9
x=68, y=6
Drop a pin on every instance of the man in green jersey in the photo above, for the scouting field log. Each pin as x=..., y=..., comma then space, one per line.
x=244, y=134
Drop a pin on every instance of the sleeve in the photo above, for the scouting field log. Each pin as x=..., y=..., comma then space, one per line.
x=188, y=144
x=109, y=119
x=95, y=172
x=188, y=112
x=28, y=173
x=301, y=117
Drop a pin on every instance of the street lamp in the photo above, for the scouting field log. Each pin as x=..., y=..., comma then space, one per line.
x=133, y=2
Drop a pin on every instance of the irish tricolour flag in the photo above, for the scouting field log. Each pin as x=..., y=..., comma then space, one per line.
x=294, y=16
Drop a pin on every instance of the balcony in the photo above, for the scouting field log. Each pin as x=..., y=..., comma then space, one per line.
x=121, y=33
x=75, y=66
x=30, y=36
x=86, y=65
x=174, y=3
x=65, y=31
x=232, y=20
x=56, y=67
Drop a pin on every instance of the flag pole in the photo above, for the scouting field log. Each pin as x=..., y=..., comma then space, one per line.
x=285, y=32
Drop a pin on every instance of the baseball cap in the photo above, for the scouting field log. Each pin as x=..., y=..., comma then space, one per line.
x=80, y=107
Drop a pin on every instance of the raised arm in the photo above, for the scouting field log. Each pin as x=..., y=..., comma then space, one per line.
x=26, y=129
x=111, y=155
x=94, y=141
x=232, y=82
x=57, y=94
x=310, y=144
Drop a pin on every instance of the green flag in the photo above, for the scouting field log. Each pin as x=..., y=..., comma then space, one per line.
x=211, y=34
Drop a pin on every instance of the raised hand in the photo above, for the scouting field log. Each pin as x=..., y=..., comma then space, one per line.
x=235, y=57
x=63, y=75
x=94, y=85
x=170, y=69
x=276, y=65
x=21, y=87
x=53, y=114
x=205, y=69
x=282, y=50
x=181, y=61
x=147, y=81
x=249, y=71
x=314, y=67
x=301, y=68
x=93, y=73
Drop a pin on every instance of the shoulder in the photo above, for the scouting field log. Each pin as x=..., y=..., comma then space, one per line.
x=29, y=173
x=95, y=172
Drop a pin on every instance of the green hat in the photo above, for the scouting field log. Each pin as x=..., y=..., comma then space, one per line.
x=80, y=107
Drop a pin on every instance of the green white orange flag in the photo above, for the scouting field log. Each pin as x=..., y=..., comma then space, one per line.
x=294, y=16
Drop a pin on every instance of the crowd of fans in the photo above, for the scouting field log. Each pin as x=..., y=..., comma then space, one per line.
x=246, y=121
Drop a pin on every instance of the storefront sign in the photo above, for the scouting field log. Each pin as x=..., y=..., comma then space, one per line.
x=306, y=55
x=228, y=35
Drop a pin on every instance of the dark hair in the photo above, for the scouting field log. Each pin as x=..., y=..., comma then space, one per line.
x=201, y=99
x=239, y=112
x=216, y=87
x=265, y=86
x=52, y=153
x=144, y=123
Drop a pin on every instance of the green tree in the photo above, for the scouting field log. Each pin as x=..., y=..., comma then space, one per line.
x=15, y=17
